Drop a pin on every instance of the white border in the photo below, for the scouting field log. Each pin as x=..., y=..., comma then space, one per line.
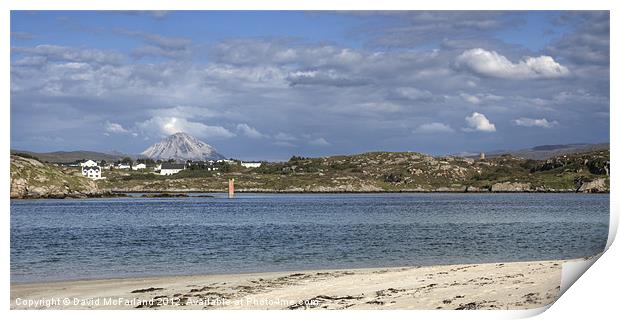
x=595, y=294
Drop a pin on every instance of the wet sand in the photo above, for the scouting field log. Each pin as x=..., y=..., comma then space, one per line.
x=511, y=285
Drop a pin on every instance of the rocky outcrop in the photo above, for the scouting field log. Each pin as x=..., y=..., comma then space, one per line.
x=511, y=187
x=343, y=188
x=475, y=189
x=596, y=185
x=31, y=178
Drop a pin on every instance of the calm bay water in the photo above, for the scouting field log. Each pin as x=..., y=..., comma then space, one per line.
x=111, y=238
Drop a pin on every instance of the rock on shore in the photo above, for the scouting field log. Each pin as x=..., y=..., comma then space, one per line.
x=510, y=187
x=597, y=185
x=31, y=178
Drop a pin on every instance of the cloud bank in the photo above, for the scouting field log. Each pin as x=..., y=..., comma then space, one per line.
x=393, y=87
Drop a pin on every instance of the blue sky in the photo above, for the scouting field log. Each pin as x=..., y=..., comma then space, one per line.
x=268, y=85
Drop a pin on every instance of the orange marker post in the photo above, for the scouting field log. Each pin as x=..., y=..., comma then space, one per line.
x=231, y=188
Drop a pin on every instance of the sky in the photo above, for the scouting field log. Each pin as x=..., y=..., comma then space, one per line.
x=266, y=85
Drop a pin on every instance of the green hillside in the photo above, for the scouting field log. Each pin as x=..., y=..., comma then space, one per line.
x=31, y=178
x=386, y=171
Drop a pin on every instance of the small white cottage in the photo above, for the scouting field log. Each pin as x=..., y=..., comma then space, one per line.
x=139, y=166
x=250, y=164
x=123, y=166
x=171, y=168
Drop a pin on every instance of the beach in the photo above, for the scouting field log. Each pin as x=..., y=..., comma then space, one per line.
x=509, y=285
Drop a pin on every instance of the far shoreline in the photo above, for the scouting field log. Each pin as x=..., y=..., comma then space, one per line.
x=116, y=194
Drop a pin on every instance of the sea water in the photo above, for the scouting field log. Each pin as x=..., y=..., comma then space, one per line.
x=55, y=240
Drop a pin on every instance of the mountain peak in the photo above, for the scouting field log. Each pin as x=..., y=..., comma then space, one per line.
x=182, y=146
x=181, y=134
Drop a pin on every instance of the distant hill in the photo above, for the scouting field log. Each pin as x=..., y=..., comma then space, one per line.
x=545, y=152
x=71, y=156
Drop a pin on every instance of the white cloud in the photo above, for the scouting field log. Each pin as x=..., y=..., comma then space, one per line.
x=324, y=78
x=471, y=98
x=284, y=139
x=433, y=127
x=249, y=132
x=479, y=122
x=480, y=98
x=528, y=122
x=111, y=127
x=60, y=53
x=321, y=142
x=414, y=93
x=493, y=64
x=170, y=125
x=282, y=136
x=380, y=107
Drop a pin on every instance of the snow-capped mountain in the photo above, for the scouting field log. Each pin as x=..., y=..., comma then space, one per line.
x=181, y=146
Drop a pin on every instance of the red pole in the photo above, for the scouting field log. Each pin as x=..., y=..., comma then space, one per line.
x=231, y=188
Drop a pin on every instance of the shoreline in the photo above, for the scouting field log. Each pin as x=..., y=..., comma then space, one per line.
x=124, y=194
x=498, y=285
x=164, y=276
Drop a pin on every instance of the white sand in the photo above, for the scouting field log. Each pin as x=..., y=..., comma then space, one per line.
x=514, y=285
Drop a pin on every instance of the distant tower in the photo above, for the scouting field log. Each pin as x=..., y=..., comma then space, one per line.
x=481, y=155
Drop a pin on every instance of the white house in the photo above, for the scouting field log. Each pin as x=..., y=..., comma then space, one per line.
x=123, y=166
x=171, y=168
x=139, y=166
x=88, y=163
x=90, y=169
x=250, y=164
x=93, y=172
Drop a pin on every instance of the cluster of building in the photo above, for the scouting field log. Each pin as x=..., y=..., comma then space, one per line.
x=92, y=169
